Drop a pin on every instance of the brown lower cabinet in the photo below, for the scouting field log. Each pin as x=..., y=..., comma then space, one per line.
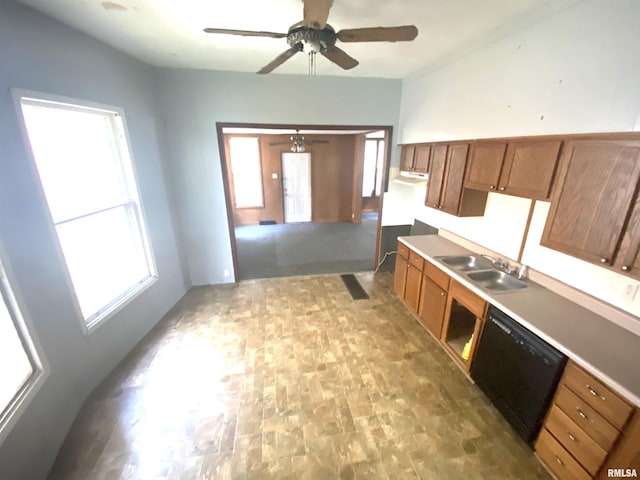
x=450, y=311
x=584, y=426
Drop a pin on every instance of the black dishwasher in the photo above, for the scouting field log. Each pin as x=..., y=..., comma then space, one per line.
x=517, y=371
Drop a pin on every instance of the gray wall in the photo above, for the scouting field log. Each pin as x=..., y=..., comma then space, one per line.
x=40, y=54
x=193, y=101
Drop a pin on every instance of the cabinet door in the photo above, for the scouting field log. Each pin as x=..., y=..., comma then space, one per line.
x=412, y=287
x=529, y=167
x=433, y=301
x=628, y=259
x=454, y=177
x=592, y=197
x=406, y=157
x=485, y=164
x=436, y=175
x=421, y=157
x=400, y=276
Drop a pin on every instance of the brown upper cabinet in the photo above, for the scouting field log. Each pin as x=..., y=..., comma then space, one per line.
x=415, y=158
x=523, y=168
x=485, y=165
x=593, y=198
x=445, y=190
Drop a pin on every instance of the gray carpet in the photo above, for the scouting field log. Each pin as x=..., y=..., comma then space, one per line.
x=266, y=251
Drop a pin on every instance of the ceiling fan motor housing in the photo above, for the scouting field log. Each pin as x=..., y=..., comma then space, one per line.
x=311, y=39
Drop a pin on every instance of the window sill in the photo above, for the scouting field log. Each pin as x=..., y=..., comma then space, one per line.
x=91, y=327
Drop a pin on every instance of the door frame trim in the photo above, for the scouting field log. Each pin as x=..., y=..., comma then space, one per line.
x=388, y=129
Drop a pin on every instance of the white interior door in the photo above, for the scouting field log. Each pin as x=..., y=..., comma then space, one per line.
x=296, y=186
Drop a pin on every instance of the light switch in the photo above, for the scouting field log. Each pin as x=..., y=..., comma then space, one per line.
x=274, y=176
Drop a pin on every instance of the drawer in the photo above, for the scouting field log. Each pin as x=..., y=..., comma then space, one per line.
x=416, y=260
x=403, y=250
x=559, y=461
x=436, y=275
x=606, y=402
x=473, y=302
x=586, y=418
x=575, y=440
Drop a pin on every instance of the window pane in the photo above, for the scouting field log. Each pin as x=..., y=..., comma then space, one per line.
x=77, y=159
x=16, y=366
x=105, y=254
x=369, y=168
x=380, y=167
x=246, y=171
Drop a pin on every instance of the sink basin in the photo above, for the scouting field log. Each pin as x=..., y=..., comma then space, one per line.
x=496, y=281
x=467, y=263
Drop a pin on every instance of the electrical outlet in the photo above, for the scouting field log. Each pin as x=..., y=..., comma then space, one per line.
x=632, y=291
x=226, y=272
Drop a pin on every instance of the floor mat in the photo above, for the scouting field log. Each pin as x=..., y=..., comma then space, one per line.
x=354, y=287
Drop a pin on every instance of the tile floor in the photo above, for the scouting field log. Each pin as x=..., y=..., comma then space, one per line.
x=291, y=378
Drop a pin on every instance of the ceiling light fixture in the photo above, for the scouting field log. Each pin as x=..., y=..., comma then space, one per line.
x=297, y=142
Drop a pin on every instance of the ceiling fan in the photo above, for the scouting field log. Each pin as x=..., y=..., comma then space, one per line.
x=298, y=142
x=314, y=35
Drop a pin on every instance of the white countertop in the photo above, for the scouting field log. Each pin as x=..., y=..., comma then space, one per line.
x=605, y=349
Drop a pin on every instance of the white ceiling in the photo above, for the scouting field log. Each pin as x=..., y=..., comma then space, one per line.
x=169, y=33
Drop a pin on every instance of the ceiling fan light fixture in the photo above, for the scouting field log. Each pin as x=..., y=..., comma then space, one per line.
x=297, y=145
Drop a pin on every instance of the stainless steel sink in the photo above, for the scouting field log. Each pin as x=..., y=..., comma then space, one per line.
x=496, y=281
x=467, y=263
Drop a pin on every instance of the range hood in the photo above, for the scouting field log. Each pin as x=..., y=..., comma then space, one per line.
x=413, y=179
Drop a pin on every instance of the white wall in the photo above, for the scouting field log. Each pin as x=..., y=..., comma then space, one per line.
x=42, y=55
x=574, y=72
x=193, y=101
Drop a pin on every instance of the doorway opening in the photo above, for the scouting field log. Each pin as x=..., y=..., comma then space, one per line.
x=303, y=200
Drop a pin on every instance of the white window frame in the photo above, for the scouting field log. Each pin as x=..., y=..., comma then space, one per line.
x=91, y=324
x=15, y=305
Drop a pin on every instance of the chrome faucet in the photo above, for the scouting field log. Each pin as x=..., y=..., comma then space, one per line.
x=500, y=264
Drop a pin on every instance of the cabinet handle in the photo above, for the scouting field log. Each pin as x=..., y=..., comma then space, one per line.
x=626, y=268
x=594, y=393
x=440, y=207
x=581, y=413
x=502, y=189
x=492, y=187
x=571, y=437
x=442, y=294
x=604, y=260
x=559, y=461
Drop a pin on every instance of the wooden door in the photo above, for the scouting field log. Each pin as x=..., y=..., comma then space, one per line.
x=400, y=276
x=433, y=301
x=628, y=258
x=421, y=158
x=485, y=165
x=436, y=175
x=452, y=189
x=412, y=287
x=529, y=167
x=406, y=157
x=592, y=197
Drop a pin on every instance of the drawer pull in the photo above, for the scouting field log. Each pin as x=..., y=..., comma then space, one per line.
x=559, y=461
x=594, y=393
x=572, y=438
x=581, y=413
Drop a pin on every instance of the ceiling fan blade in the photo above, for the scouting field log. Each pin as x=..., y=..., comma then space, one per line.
x=280, y=59
x=279, y=143
x=316, y=13
x=340, y=57
x=311, y=142
x=245, y=33
x=405, y=33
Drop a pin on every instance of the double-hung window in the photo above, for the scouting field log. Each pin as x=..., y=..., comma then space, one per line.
x=83, y=160
x=21, y=370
